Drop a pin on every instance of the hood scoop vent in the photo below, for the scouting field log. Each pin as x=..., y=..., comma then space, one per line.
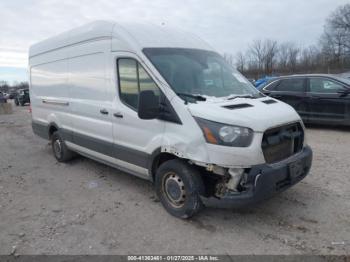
x=237, y=106
x=269, y=101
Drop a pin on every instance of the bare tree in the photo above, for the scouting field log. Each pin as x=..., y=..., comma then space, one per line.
x=257, y=53
x=311, y=60
x=266, y=57
x=339, y=21
x=229, y=59
x=270, y=51
x=335, y=40
x=282, y=56
x=293, y=52
x=240, y=61
x=4, y=86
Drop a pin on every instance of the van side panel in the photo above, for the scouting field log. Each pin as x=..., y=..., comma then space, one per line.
x=91, y=119
x=49, y=92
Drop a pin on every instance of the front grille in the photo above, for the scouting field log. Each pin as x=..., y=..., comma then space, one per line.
x=282, y=142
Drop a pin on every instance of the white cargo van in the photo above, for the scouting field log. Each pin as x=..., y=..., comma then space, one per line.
x=161, y=104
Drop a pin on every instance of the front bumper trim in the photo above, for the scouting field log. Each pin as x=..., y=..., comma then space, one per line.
x=265, y=181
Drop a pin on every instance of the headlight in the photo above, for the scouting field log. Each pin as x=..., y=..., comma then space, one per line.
x=226, y=135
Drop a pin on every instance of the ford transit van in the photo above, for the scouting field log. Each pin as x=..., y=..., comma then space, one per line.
x=161, y=104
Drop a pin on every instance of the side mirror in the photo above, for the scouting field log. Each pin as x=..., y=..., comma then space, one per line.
x=344, y=92
x=148, y=105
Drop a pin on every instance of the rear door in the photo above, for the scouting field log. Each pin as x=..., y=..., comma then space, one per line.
x=325, y=101
x=291, y=91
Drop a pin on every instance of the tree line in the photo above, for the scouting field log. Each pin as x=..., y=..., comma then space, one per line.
x=269, y=57
x=7, y=88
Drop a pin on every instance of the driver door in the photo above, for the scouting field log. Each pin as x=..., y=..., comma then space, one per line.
x=325, y=101
x=134, y=138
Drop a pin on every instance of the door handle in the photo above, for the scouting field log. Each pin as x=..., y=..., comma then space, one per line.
x=104, y=111
x=120, y=115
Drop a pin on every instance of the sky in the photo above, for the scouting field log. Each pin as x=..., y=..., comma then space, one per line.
x=227, y=25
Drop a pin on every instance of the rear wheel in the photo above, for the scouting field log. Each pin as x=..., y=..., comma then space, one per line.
x=59, y=148
x=179, y=186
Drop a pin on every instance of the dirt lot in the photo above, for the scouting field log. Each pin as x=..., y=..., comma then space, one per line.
x=88, y=208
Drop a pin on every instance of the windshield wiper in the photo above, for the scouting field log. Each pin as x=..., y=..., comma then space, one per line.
x=196, y=97
x=242, y=96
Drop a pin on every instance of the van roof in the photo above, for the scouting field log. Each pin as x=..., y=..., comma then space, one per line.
x=123, y=36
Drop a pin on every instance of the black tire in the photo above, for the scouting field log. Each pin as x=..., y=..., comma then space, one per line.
x=187, y=182
x=59, y=148
x=16, y=102
x=22, y=103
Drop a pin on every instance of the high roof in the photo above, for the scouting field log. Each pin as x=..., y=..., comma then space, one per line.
x=94, y=30
x=132, y=37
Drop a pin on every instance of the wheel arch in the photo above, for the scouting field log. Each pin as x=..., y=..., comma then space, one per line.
x=156, y=159
x=52, y=127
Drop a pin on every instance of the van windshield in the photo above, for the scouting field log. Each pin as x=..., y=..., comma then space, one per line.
x=199, y=72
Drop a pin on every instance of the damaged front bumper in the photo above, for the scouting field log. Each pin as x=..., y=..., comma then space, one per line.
x=266, y=180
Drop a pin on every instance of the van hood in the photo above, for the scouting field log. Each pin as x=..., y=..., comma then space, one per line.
x=258, y=114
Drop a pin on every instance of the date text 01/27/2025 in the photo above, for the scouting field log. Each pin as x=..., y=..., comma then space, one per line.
x=173, y=258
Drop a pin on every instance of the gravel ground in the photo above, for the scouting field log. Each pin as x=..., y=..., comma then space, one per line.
x=84, y=207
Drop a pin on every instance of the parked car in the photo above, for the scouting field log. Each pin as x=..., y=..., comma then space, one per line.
x=13, y=94
x=3, y=98
x=322, y=99
x=22, y=97
x=262, y=81
x=161, y=104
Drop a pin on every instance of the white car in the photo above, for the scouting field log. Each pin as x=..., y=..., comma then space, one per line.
x=161, y=104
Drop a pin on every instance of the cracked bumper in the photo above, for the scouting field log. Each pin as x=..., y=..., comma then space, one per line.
x=266, y=180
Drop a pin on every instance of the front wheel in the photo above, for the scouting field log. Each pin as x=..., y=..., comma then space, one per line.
x=16, y=102
x=59, y=148
x=179, y=186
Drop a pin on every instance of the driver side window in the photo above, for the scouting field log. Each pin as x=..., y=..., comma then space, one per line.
x=132, y=79
x=323, y=85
